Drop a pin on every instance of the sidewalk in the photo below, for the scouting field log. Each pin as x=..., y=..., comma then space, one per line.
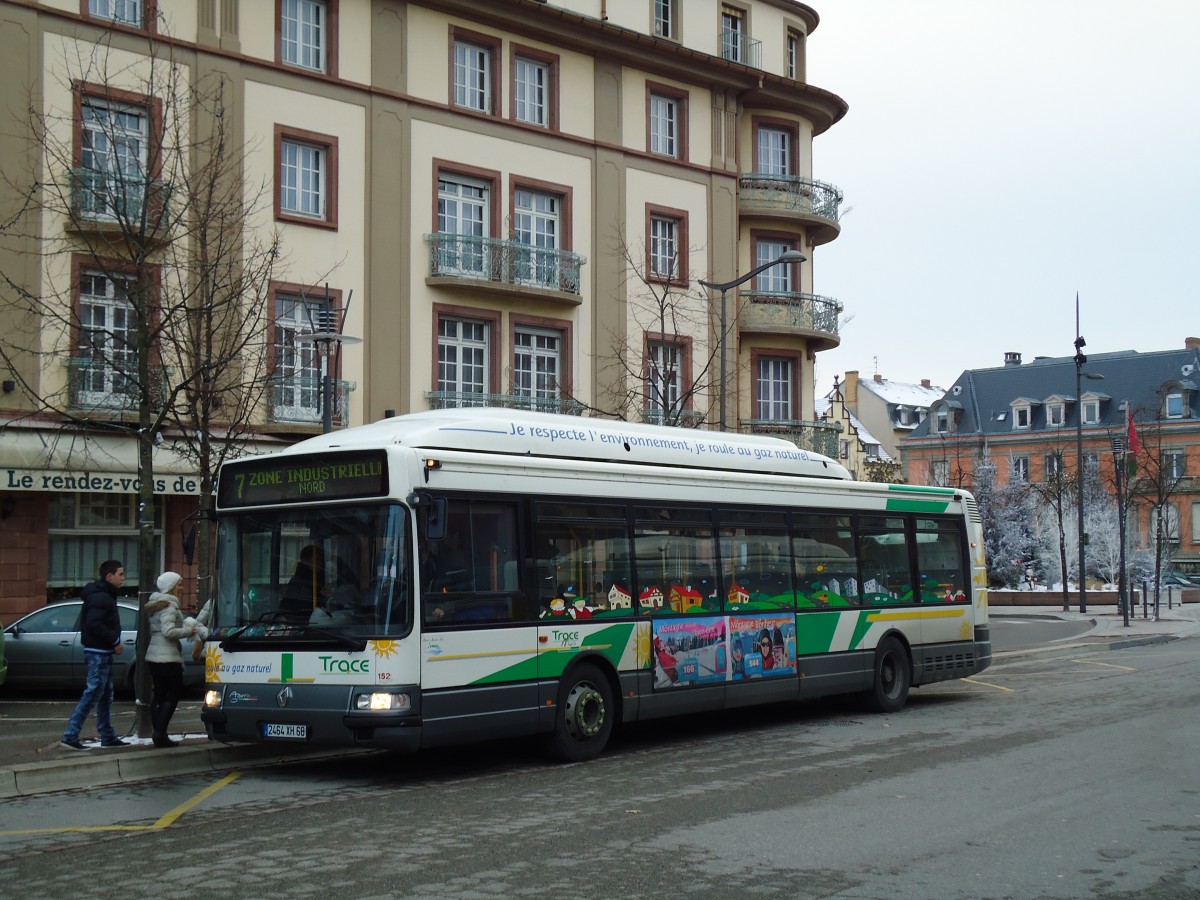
x=32, y=761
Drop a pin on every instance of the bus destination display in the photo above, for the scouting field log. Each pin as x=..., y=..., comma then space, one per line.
x=302, y=479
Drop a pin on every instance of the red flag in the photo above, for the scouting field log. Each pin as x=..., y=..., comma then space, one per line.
x=1134, y=444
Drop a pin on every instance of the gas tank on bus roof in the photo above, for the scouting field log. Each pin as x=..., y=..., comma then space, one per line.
x=523, y=433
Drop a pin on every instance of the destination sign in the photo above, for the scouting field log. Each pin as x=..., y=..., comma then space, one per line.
x=264, y=480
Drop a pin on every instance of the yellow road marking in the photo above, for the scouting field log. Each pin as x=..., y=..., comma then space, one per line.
x=1092, y=662
x=989, y=684
x=165, y=822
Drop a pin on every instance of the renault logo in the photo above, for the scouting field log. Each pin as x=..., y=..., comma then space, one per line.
x=284, y=697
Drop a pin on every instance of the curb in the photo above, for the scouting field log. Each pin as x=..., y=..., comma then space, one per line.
x=71, y=774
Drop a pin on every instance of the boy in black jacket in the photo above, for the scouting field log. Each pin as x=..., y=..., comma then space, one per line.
x=100, y=628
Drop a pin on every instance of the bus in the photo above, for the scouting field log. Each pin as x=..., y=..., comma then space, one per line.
x=469, y=574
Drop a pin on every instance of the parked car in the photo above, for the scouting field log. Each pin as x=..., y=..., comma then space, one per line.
x=43, y=650
x=1177, y=579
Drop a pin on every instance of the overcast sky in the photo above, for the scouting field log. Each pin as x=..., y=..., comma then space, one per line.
x=996, y=159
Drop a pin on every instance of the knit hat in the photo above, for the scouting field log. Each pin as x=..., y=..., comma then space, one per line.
x=168, y=580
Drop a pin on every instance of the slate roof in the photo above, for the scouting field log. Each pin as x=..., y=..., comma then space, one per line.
x=984, y=394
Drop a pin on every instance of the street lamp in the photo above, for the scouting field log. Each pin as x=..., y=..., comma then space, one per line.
x=1080, y=359
x=1118, y=449
x=325, y=341
x=788, y=256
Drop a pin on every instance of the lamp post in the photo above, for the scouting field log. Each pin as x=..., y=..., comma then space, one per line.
x=325, y=341
x=1118, y=448
x=788, y=256
x=1080, y=359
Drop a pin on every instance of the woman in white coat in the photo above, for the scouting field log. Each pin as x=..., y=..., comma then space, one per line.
x=168, y=626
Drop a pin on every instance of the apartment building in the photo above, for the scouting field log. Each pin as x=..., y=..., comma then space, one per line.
x=510, y=202
x=1032, y=419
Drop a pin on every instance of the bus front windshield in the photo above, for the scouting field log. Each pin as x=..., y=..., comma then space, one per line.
x=342, y=570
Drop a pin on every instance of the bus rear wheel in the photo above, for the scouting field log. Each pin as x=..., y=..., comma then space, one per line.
x=892, y=678
x=584, y=720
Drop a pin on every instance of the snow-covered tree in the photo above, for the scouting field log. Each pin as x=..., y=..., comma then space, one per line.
x=1007, y=517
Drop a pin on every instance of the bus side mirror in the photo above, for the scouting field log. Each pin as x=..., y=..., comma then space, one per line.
x=435, y=519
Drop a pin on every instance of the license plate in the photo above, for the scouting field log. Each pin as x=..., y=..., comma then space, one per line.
x=287, y=732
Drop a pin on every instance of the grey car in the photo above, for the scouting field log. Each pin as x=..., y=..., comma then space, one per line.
x=43, y=650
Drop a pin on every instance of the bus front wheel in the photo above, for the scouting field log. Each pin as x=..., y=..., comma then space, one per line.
x=584, y=720
x=893, y=677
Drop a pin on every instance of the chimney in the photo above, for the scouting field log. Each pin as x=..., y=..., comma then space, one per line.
x=1012, y=359
x=878, y=378
x=850, y=389
x=925, y=383
x=1191, y=343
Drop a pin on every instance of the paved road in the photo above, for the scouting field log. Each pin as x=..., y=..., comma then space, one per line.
x=1033, y=780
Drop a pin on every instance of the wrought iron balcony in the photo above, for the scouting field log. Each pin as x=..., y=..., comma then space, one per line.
x=470, y=400
x=738, y=47
x=503, y=262
x=111, y=384
x=819, y=437
x=678, y=418
x=296, y=400
x=791, y=195
x=780, y=311
x=111, y=197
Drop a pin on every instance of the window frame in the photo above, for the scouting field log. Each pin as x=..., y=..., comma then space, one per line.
x=788, y=274
x=85, y=91
x=563, y=196
x=740, y=18
x=679, y=276
x=550, y=62
x=1177, y=467
x=762, y=355
x=540, y=324
x=1089, y=410
x=490, y=318
x=791, y=130
x=671, y=8
x=1056, y=414
x=329, y=67
x=1171, y=399
x=148, y=10
x=656, y=91
x=1022, y=411
x=683, y=373
x=491, y=70
x=1018, y=469
x=793, y=54
x=328, y=145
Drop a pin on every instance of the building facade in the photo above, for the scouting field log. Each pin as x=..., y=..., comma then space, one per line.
x=891, y=410
x=1031, y=420
x=508, y=202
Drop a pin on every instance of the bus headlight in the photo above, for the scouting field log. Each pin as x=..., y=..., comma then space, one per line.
x=212, y=699
x=380, y=701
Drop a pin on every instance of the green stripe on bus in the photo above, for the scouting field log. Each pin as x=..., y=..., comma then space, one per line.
x=814, y=632
x=917, y=506
x=919, y=489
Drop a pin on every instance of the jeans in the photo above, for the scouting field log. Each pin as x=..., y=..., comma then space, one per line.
x=98, y=693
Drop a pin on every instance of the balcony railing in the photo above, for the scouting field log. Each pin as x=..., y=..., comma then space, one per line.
x=791, y=193
x=102, y=384
x=505, y=262
x=471, y=400
x=738, y=47
x=819, y=437
x=678, y=418
x=296, y=400
x=112, y=197
x=790, y=309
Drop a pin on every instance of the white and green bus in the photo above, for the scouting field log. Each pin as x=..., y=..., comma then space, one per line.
x=462, y=575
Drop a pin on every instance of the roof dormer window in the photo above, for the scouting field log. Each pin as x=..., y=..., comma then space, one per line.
x=1173, y=405
x=1055, y=414
x=1090, y=411
x=1022, y=416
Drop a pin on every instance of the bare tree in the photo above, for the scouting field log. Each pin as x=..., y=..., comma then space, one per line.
x=148, y=280
x=668, y=377
x=1159, y=473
